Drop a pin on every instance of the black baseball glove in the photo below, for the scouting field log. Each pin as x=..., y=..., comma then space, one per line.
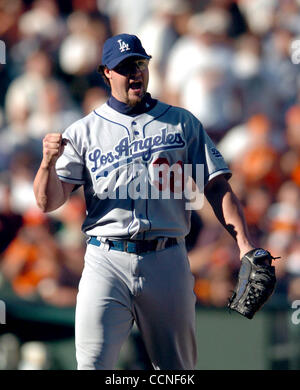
x=256, y=283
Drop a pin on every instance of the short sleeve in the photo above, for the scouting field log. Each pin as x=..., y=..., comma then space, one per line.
x=203, y=151
x=70, y=166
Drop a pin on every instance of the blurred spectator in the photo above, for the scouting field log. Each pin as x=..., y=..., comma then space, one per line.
x=221, y=282
x=257, y=203
x=283, y=228
x=53, y=113
x=293, y=259
x=14, y=136
x=35, y=102
x=293, y=271
x=256, y=158
x=259, y=164
x=24, y=90
x=215, y=279
x=213, y=261
x=40, y=28
x=249, y=73
x=235, y=142
x=279, y=69
x=62, y=290
x=283, y=214
x=71, y=216
x=93, y=98
x=87, y=6
x=10, y=221
x=31, y=256
x=287, y=15
x=290, y=160
x=259, y=14
x=283, y=223
x=275, y=24
x=22, y=168
x=44, y=261
x=204, y=84
x=79, y=51
x=42, y=20
x=159, y=32
x=10, y=12
x=127, y=15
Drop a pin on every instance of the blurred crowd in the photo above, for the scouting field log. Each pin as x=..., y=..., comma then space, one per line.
x=227, y=61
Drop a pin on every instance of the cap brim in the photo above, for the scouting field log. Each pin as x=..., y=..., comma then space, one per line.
x=118, y=60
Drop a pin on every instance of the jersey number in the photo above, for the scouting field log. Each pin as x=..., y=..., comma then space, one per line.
x=172, y=176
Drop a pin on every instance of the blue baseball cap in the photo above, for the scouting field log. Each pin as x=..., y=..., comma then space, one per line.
x=120, y=47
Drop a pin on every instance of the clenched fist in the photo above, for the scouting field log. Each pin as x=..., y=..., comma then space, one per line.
x=53, y=147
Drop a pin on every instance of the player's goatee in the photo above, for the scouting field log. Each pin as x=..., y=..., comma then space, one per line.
x=136, y=99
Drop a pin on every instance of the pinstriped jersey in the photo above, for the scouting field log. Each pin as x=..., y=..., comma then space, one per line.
x=133, y=170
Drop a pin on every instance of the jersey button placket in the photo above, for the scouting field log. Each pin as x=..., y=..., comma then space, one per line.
x=135, y=130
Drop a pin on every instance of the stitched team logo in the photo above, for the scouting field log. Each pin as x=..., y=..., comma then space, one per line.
x=126, y=151
x=123, y=46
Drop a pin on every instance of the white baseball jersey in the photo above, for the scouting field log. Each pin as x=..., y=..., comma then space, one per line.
x=114, y=157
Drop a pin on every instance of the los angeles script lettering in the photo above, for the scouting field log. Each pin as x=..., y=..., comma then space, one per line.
x=144, y=148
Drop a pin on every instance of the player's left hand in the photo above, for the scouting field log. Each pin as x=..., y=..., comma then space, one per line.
x=256, y=282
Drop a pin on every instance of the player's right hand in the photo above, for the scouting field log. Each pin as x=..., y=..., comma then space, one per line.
x=53, y=147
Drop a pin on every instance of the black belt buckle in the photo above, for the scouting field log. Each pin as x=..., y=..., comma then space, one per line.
x=139, y=247
x=170, y=242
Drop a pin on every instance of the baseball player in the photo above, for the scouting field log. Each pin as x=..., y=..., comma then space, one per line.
x=136, y=266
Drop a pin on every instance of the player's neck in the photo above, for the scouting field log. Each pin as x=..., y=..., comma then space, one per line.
x=146, y=104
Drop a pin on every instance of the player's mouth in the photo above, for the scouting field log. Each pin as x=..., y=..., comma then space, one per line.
x=136, y=86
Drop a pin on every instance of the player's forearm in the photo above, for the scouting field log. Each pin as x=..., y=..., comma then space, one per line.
x=235, y=222
x=48, y=189
x=229, y=212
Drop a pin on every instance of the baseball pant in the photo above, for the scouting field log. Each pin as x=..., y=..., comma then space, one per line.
x=154, y=289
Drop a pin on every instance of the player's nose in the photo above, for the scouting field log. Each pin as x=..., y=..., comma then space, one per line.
x=134, y=69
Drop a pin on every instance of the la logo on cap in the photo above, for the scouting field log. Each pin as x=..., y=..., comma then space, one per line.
x=123, y=46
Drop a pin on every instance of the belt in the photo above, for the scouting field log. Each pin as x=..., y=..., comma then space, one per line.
x=137, y=247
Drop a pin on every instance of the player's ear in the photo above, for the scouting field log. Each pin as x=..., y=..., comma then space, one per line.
x=101, y=69
x=107, y=73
